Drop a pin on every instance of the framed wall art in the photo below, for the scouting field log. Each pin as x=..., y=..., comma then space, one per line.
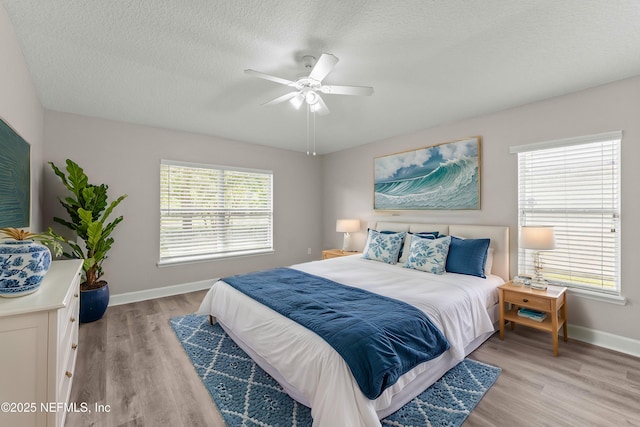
x=443, y=176
x=15, y=178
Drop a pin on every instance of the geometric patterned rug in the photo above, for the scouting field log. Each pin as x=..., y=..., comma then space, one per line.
x=247, y=396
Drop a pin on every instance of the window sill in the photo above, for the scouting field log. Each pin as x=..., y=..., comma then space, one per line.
x=205, y=258
x=596, y=296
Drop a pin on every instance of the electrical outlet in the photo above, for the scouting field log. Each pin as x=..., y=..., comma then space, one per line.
x=308, y=251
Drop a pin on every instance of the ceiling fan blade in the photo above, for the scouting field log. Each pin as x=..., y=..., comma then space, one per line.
x=319, y=107
x=347, y=90
x=269, y=77
x=297, y=100
x=323, y=67
x=278, y=100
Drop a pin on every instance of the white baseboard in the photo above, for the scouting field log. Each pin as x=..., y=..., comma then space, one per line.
x=605, y=339
x=166, y=291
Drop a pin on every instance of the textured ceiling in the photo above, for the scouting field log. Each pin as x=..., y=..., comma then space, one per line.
x=179, y=64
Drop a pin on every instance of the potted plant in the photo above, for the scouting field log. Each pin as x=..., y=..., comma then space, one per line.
x=89, y=212
x=24, y=260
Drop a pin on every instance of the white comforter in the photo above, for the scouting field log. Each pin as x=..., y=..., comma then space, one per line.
x=313, y=371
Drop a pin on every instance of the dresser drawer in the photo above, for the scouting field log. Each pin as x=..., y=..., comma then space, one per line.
x=69, y=339
x=528, y=300
x=69, y=351
x=66, y=375
x=68, y=320
x=68, y=315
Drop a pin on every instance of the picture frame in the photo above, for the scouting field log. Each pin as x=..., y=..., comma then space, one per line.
x=444, y=176
x=15, y=178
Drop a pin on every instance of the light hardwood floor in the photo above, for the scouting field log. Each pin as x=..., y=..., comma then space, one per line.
x=132, y=361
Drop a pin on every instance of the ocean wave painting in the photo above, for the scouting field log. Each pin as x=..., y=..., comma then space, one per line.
x=444, y=176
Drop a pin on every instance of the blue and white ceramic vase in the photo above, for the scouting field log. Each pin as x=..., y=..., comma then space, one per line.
x=23, y=264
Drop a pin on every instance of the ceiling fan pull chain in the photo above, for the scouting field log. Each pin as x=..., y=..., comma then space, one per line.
x=314, y=132
x=308, y=108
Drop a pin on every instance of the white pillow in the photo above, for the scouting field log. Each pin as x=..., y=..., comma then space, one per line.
x=428, y=255
x=488, y=265
x=383, y=246
x=406, y=247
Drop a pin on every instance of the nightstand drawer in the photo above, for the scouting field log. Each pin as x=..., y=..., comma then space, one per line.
x=530, y=301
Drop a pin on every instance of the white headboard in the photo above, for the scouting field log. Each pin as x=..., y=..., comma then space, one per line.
x=499, y=238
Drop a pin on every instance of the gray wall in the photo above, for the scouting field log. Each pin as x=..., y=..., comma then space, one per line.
x=20, y=108
x=348, y=180
x=127, y=158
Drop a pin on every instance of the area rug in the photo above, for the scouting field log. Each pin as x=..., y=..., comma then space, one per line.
x=247, y=396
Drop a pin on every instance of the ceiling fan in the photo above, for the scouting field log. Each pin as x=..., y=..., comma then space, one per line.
x=307, y=87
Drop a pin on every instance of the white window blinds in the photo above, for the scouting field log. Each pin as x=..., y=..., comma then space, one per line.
x=574, y=185
x=209, y=211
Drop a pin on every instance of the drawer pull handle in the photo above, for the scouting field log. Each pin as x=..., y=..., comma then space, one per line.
x=75, y=295
x=68, y=374
x=525, y=300
x=73, y=319
x=74, y=346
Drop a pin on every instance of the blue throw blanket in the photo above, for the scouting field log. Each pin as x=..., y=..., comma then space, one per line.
x=379, y=338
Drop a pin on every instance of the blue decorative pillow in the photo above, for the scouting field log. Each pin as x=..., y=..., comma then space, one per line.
x=428, y=254
x=427, y=234
x=383, y=246
x=468, y=256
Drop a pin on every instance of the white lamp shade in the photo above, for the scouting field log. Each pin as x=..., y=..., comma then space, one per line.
x=537, y=238
x=347, y=225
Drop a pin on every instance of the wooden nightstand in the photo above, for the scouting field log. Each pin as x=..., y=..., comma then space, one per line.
x=551, y=301
x=335, y=253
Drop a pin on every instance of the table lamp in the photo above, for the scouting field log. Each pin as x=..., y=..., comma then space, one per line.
x=347, y=226
x=537, y=238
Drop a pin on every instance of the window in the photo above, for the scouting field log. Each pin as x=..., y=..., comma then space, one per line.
x=574, y=185
x=209, y=211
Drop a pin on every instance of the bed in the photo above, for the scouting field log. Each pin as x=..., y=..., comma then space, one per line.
x=463, y=307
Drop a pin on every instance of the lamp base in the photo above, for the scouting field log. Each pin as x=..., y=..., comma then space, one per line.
x=346, y=243
x=540, y=285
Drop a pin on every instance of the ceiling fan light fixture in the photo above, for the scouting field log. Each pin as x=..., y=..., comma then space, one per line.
x=297, y=101
x=314, y=107
x=311, y=97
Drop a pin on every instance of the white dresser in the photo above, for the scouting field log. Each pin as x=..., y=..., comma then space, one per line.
x=38, y=349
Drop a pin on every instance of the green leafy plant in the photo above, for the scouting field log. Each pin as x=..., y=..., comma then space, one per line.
x=88, y=210
x=44, y=238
